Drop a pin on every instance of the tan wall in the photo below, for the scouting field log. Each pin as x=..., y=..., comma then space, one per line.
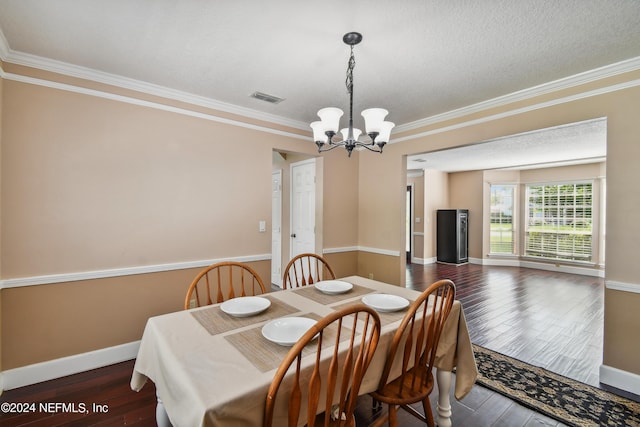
x=341, y=209
x=91, y=184
x=380, y=267
x=97, y=184
x=381, y=215
x=562, y=173
x=621, y=328
x=343, y=264
x=623, y=201
x=465, y=192
x=436, y=188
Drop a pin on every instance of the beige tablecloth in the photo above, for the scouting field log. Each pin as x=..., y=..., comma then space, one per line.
x=215, y=379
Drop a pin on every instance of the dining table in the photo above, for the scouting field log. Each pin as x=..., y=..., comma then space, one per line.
x=214, y=369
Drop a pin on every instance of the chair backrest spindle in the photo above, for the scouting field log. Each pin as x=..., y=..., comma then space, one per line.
x=306, y=269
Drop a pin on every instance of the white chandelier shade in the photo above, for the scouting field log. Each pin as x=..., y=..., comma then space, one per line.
x=330, y=118
x=385, y=131
x=345, y=133
x=373, y=118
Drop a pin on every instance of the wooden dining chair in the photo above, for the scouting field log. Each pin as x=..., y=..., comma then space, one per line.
x=222, y=281
x=417, y=340
x=345, y=342
x=306, y=269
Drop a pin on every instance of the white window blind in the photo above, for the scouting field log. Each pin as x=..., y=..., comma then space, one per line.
x=559, y=221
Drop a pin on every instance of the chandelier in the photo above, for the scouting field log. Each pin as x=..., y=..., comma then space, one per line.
x=377, y=128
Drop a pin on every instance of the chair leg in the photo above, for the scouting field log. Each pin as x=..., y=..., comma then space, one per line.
x=427, y=412
x=376, y=405
x=382, y=418
x=393, y=416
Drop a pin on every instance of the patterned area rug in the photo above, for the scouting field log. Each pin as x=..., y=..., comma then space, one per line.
x=566, y=400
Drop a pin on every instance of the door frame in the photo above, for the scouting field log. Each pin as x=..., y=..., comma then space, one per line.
x=409, y=218
x=276, y=229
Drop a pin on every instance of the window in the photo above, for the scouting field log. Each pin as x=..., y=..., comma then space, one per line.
x=502, y=231
x=559, y=221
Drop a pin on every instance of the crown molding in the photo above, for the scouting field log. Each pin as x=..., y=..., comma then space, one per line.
x=611, y=70
x=557, y=101
x=4, y=46
x=33, y=61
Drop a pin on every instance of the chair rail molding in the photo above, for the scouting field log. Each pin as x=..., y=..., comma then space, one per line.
x=126, y=271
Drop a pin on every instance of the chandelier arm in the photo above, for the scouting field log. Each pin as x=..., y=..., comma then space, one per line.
x=331, y=147
x=375, y=149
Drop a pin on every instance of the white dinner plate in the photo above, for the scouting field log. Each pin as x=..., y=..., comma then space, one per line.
x=245, y=306
x=333, y=286
x=385, y=302
x=287, y=330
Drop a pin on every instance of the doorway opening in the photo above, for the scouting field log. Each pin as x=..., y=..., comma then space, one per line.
x=296, y=209
x=573, y=153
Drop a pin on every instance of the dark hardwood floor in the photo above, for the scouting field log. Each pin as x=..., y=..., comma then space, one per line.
x=548, y=319
x=553, y=320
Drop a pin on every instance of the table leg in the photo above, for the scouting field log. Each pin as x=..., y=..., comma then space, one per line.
x=444, y=401
x=162, y=419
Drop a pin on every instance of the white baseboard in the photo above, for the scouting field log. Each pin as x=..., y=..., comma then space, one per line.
x=515, y=262
x=621, y=286
x=423, y=261
x=618, y=378
x=57, y=368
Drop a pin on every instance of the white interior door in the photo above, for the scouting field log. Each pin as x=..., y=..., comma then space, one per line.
x=303, y=207
x=276, y=227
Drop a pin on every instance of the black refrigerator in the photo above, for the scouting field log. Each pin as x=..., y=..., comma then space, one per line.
x=453, y=236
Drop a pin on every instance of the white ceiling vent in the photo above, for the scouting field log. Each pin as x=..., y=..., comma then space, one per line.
x=267, y=98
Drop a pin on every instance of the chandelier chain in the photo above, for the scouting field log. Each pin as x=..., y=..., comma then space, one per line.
x=350, y=67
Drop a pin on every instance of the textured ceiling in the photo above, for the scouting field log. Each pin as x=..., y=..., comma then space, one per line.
x=418, y=59
x=575, y=143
